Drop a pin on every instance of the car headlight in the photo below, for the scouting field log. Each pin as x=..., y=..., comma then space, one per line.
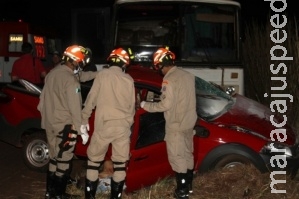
x=277, y=148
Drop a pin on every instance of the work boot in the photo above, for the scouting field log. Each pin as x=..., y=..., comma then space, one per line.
x=60, y=188
x=116, y=189
x=190, y=180
x=68, y=172
x=90, y=188
x=50, y=181
x=182, y=190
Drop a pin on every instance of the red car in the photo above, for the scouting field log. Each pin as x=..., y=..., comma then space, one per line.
x=231, y=130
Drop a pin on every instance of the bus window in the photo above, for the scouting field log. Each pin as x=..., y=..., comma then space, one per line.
x=209, y=34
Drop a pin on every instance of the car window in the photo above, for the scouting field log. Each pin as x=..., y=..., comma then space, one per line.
x=152, y=125
x=30, y=86
x=26, y=87
x=151, y=129
x=211, y=101
x=146, y=93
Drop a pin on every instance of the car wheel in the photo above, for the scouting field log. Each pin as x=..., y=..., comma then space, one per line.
x=36, y=152
x=232, y=160
x=229, y=155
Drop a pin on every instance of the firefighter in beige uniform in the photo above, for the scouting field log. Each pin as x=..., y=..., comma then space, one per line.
x=178, y=102
x=113, y=95
x=60, y=106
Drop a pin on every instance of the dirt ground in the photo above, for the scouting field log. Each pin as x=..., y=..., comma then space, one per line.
x=17, y=181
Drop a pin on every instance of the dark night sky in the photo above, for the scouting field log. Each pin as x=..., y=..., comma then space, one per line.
x=29, y=8
x=51, y=12
x=56, y=10
x=260, y=9
x=57, y=13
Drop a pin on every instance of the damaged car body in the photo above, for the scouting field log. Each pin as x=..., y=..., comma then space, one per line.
x=230, y=130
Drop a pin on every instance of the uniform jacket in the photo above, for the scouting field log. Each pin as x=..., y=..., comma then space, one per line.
x=113, y=95
x=60, y=100
x=177, y=100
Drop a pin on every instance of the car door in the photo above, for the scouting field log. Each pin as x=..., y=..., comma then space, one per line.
x=148, y=157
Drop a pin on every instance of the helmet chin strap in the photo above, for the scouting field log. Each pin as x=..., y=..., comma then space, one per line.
x=77, y=68
x=160, y=69
x=124, y=68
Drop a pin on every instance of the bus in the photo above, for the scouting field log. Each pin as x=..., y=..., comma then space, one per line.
x=13, y=33
x=203, y=34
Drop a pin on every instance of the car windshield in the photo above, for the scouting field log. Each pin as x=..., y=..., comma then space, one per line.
x=194, y=32
x=26, y=87
x=211, y=100
x=30, y=86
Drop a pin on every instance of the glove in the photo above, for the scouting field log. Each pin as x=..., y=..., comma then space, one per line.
x=142, y=104
x=84, y=133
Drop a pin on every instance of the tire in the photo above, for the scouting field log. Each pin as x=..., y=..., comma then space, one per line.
x=232, y=160
x=36, y=152
x=229, y=155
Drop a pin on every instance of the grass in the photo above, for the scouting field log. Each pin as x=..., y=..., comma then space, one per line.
x=240, y=182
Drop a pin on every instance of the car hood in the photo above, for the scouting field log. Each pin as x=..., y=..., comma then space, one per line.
x=253, y=116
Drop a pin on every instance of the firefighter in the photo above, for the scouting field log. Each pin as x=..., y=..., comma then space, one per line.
x=178, y=102
x=113, y=95
x=60, y=106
